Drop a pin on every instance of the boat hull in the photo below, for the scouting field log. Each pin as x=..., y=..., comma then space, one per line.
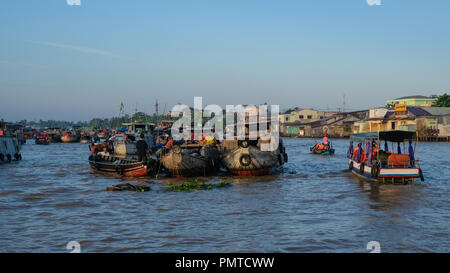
x=385, y=175
x=180, y=163
x=119, y=166
x=251, y=161
x=9, y=149
x=323, y=152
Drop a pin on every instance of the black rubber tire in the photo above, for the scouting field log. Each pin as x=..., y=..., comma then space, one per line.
x=8, y=158
x=176, y=149
x=245, y=160
x=350, y=166
x=2, y=157
x=361, y=168
x=280, y=159
x=285, y=157
x=421, y=175
x=243, y=143
x=374, y=171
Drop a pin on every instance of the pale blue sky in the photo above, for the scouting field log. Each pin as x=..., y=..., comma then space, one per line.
x=79, y=62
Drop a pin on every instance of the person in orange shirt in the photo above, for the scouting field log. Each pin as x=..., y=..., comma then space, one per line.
x=169, y=143
x=355, y=152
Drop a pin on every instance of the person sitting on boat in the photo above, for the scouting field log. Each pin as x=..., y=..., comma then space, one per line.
x=316, y=147
x=355, y=152
x=104, y=152
x=169, y=143
x=142, y=147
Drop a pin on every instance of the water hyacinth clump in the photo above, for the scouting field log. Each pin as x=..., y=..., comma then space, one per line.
x=195, y=185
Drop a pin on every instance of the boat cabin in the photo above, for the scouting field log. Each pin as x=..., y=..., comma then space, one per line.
x=136, y=127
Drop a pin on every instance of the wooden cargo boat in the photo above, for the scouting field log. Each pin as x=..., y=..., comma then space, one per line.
x=369, y=162
x=120, y=166
x=191, y=160
x=245, y=158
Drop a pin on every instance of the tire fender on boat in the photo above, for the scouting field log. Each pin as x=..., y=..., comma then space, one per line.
x=361, y=168
x=2, y=157
x=374, y=171
x=245, y=160
x=243, y=143
x=280, y=159
x=285, y=157
x=176, y=149
x=350, y=166
x=9, y=157
x=421, y=175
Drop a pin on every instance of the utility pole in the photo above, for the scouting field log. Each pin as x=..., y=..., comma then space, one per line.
x=156, y=111
x=343, y=103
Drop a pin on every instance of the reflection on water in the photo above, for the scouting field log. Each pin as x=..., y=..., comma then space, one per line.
x=315, y=205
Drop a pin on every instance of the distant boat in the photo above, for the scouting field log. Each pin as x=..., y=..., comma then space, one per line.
x=70, y=137
x=41, y=141
x=85, y=139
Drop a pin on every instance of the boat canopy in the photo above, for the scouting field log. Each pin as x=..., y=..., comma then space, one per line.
x=364, y=136
x=392, y=136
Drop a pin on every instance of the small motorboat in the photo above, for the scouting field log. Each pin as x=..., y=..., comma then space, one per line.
x=191, y=160
x=322, y=149
x=118, y=165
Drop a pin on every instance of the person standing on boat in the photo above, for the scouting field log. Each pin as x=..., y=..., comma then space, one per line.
x=142, y=148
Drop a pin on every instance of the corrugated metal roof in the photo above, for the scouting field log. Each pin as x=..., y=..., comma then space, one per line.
x=438, y=111
x=414, y=97
x=418, y=111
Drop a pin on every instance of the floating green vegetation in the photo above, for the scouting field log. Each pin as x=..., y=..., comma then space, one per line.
x=195, y=185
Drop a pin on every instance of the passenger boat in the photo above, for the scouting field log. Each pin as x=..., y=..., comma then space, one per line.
x=190, y=160
x=370, y=162
x=69, y=137
x=245, y=158
x=118, y=165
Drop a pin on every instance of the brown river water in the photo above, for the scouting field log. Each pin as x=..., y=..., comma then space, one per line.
x=315, y=205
